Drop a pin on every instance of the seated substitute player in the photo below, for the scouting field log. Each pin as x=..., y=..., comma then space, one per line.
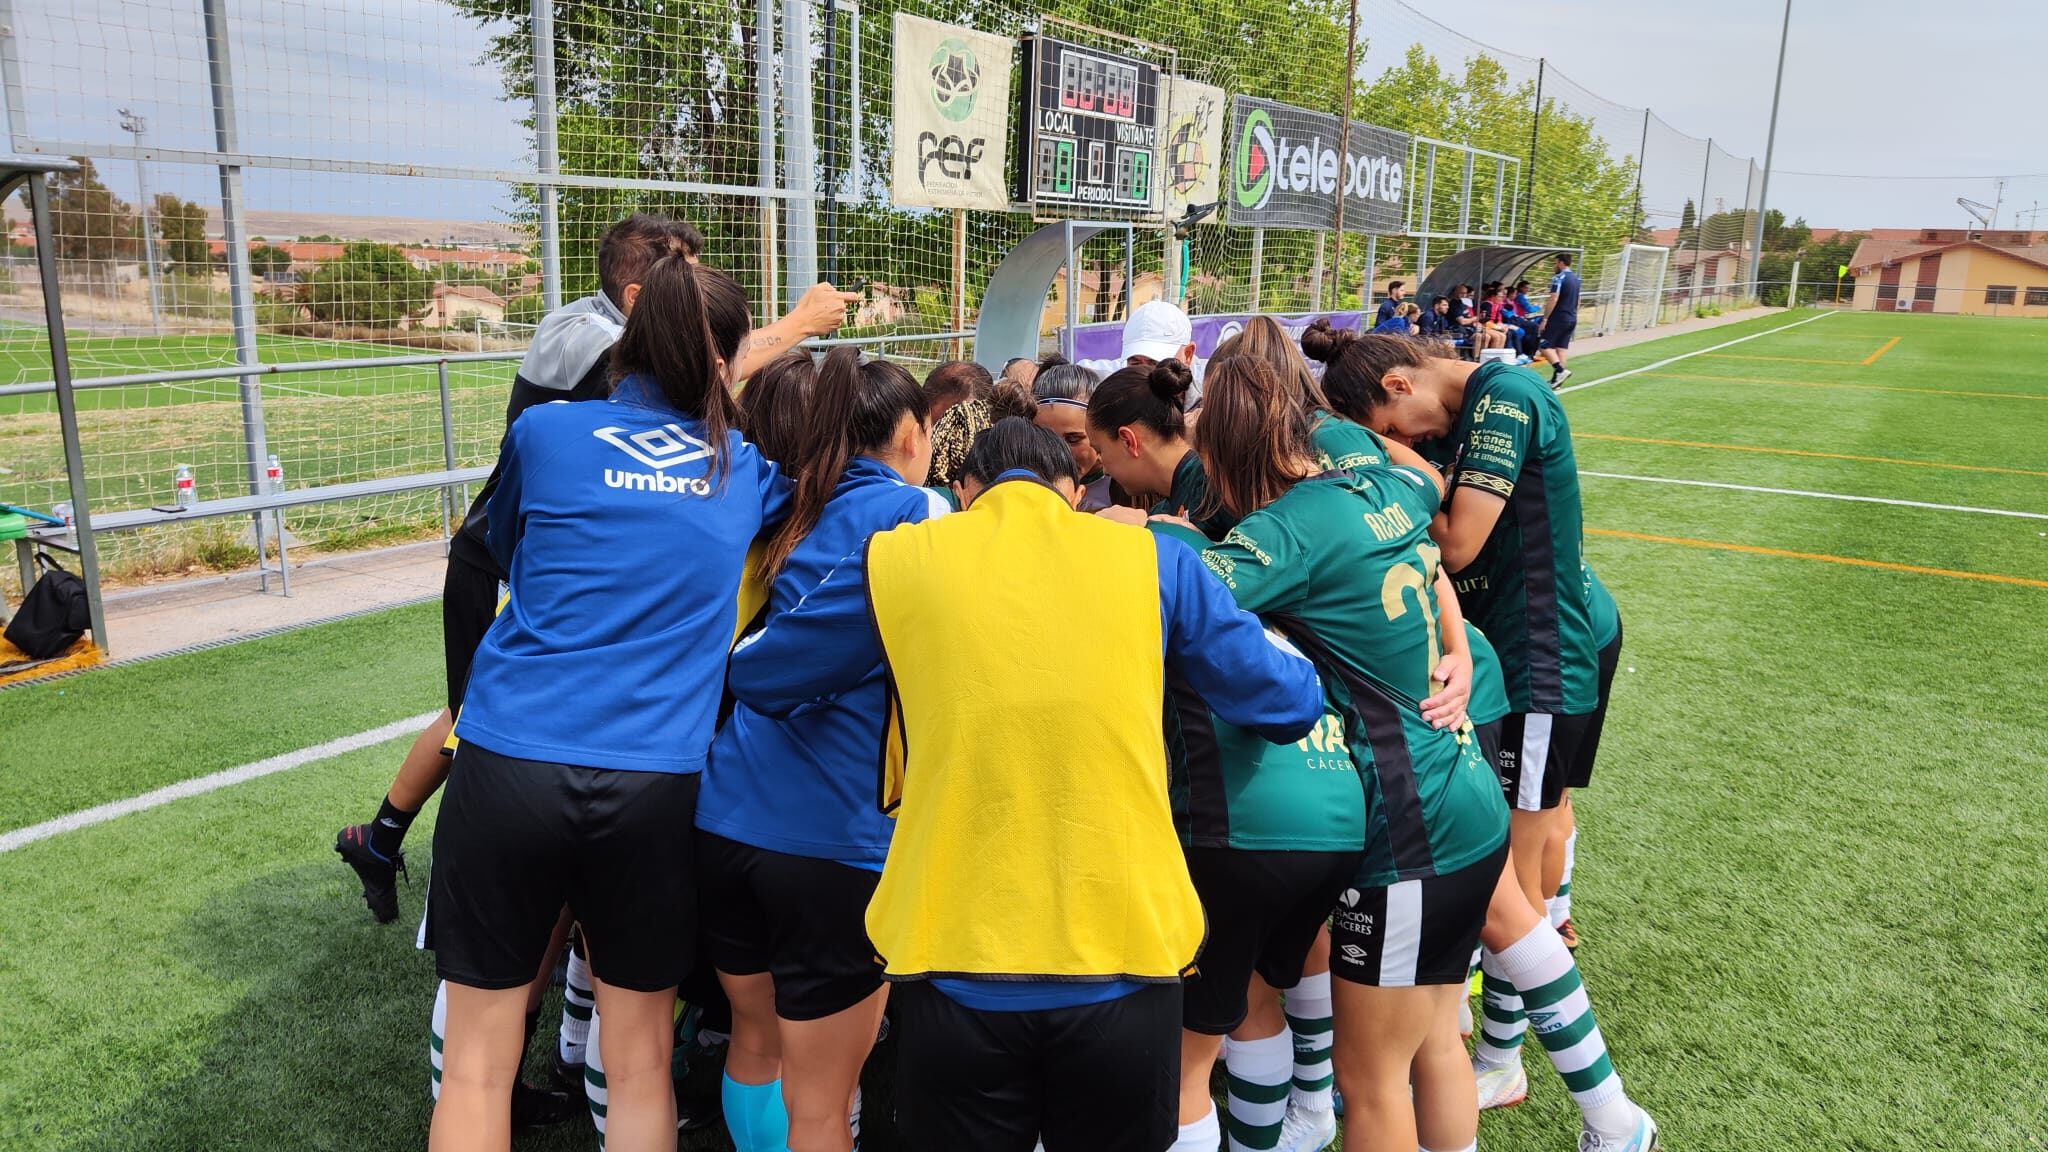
x=566, y=361
x=1512, y=536
x=1033, y=910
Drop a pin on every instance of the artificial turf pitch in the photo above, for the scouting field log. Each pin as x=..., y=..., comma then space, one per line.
x=1809, y=871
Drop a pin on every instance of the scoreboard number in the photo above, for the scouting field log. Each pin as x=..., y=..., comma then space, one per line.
x=1093, y=118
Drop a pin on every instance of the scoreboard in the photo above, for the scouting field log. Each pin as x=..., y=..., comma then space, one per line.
x=1092, y=122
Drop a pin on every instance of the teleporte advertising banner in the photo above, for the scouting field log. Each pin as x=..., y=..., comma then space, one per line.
x=1284, y=171
x=952, y=108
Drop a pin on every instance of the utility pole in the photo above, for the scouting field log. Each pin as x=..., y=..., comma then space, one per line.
x=1763, y=192
x=135, y=126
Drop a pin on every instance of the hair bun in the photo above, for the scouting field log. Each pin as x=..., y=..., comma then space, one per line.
x=1009, y=398
x=1323, y=342
x=1170, y=380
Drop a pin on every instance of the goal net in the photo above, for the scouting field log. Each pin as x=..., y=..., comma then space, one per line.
x=1632, y=287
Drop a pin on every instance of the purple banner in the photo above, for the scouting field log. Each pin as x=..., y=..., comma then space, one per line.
x=1101, y=346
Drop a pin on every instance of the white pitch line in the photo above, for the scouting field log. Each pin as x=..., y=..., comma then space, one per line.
x=200, y=785
x=1701, y=352
x=1820, y=495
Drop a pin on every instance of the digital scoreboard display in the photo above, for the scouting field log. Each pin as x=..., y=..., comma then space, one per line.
x=1093, y=127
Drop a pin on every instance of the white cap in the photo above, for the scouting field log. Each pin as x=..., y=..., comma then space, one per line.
x=1158, y=330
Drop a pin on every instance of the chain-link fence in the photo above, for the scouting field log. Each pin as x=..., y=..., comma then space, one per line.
x=311, y=182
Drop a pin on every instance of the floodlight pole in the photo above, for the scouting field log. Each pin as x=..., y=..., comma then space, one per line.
x=547, y=153
x=135, y=126
x=1763, y=192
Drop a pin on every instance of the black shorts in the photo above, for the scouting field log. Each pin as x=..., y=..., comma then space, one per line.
x=1488, y=735
x=1558, y=336
x=1415, y=932
x=1264, y=911
x=798, y=918
x=518, y=839
x=469, y=601
x=1539, y=756
x=1096, y=1078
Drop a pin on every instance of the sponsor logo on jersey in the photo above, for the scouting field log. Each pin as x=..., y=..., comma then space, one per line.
x=660, y=449
x=1488, y=406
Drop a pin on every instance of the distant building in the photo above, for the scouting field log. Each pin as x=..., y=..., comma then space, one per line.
x=452, y=302
x=1971, y=271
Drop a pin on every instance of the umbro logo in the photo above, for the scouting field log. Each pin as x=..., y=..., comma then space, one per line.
x=1353, y=953
x=662, y=447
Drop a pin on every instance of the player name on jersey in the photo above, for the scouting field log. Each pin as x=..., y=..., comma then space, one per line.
x=1093, y=119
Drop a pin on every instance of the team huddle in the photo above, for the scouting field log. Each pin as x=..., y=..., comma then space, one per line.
x=1082, y=732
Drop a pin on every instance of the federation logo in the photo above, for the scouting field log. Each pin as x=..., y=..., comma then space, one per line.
x=1349, y=899
x=1255, y=159
x=956, y=74
x=658, y=448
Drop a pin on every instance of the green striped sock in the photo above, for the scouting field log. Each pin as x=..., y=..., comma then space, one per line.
x=594, y=1092
x=1260, y=1075
x=1502, y=1026
x=1308, y=1018
x=435, y=1031
x=1560, y=1014
x=577, y=1003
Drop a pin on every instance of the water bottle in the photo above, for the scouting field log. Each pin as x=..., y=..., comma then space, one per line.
x=273, y=476
x=62, y=511
x=188, y=496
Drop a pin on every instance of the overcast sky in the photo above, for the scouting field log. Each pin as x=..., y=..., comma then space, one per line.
x=1881, y=89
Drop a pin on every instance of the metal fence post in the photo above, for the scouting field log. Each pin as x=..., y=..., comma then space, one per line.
x=764, y=115
x=1535, y=134
x=1699, y=228
x=241, y=287
x=449, y=510
x=67, y=410
x=799, y=150
x=547, y=153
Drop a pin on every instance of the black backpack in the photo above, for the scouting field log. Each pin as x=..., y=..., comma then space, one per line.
x=54, y=613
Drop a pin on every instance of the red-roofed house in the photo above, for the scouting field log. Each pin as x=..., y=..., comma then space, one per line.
x=1954, y=270
x=452, y=302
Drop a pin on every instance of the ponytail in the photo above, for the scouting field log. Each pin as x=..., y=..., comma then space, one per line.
x=1355, y=365
x=686, y=320
x=1153, y=396
x=1254, y=434
x=855, y=409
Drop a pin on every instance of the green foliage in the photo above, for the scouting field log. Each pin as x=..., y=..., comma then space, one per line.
x=269, y=261
x=526, y=308
x=370, y=284
x=90, y=222
x=1787, y=244
x=181, y=229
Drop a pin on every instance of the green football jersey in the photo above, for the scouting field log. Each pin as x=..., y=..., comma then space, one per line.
x=1342, y=446
x=1343, y=565
x=1606, y=615
x=1527, y=588
x=1193, y=498
x=1489, y=691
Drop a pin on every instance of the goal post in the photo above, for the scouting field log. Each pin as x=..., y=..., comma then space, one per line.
x=1632, y=287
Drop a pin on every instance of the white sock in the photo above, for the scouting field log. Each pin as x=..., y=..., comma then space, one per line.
x=1561, y=907
x=1308, y=1018
x=1561, y=1017
x=1203, y=1135
x=1472, y=1147
x=577, y=1004
x=1260, y=1073
x=853, y=1116
x=437, y=1032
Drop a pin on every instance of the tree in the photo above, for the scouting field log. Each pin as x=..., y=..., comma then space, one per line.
x=181, y=225
x=269, y=261
x=526, y=308
x=370, y=285
x=1688, y=225
x=90, y=222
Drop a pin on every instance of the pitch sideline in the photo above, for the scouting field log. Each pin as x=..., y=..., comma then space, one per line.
x=201, y=785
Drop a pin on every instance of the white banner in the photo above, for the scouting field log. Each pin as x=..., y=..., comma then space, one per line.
x=1194, y=144
x=952, y=110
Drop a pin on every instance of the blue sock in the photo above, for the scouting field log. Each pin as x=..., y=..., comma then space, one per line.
x=754, y=1115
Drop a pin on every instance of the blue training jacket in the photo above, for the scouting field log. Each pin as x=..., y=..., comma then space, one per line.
x=805, y=785
x=624, y=557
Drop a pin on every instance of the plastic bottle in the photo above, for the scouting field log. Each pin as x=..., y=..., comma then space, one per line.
x=273, y=476
x=188, y=496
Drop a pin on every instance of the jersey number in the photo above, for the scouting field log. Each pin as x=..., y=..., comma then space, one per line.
x=1407, y=577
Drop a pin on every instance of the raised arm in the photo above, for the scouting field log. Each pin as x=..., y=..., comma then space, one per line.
x=1245, y=676
x=819, y=312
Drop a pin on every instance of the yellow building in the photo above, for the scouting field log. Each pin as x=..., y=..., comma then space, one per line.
x=1954, y=271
